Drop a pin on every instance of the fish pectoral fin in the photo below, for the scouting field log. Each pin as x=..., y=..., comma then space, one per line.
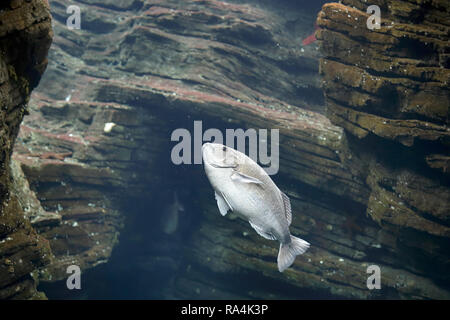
x=241, y=177
x=223, y=204
x=287, y=207
x=261, y=232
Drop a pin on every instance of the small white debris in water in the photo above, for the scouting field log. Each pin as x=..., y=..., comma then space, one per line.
x=245, y=233
x=108, y=127
x=341, y=260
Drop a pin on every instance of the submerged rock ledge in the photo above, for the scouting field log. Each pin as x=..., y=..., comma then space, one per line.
x=363, y=191
x=388, y=88
x=25, y=37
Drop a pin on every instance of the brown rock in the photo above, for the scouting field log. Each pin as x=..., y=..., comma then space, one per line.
x=157, y=67
x=25, y=37
x=388, y=87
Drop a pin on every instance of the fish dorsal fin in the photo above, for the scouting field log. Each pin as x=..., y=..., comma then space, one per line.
x=241, y=177
x=287, y=207
x=222, y=203
x=261, y=232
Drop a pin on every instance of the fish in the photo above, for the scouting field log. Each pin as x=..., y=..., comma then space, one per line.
x=311, y=38
x=170, y=217
x=243, y=187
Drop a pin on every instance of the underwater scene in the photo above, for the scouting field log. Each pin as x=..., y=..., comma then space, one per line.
x=224, y=149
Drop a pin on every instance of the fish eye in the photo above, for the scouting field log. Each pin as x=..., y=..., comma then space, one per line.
x=224, y=148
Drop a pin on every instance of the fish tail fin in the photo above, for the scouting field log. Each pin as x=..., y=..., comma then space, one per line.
x=288, y=252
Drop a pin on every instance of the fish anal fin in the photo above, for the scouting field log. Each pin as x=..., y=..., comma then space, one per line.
x=287, y=207
x=261, y=232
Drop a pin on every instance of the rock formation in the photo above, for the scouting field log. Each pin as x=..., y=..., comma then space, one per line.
x=96, y=148
x=25, y=37
x=388, y=88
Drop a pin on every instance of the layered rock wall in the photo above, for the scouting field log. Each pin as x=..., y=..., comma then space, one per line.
x=389, y=89
x=25, y=37
x=150, y=67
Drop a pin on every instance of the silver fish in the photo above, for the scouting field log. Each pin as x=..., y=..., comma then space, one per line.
x=170, y=217
x=243, y=187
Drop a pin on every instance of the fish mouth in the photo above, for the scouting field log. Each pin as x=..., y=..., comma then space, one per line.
x=204, y=148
